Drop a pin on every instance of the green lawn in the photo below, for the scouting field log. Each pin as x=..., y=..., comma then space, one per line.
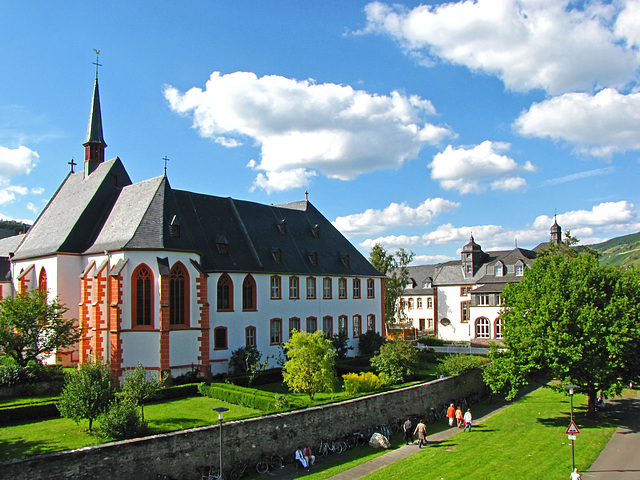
x=527, y=440
x=54, y=435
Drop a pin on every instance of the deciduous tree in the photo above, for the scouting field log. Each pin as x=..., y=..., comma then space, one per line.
x=395, y=268
x=138, y=388
x=574, y=318
x=397, y=360
x=310, y=363
x=30, y=327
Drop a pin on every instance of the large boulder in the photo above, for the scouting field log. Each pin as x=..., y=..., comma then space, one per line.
x=378, y=440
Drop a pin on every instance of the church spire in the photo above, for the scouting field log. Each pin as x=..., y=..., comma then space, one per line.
x=94, y=145
x=556, y=231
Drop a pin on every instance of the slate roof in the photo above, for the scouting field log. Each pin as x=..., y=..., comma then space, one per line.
x=418, y=276
x=91, y=215
x=10, y=244
x=75, y=214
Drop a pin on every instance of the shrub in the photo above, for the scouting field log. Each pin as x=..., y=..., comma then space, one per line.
x=237, y=395
x=121, y=421
x=341, y=345
x=432, y=341
x=355, y=383
x=459, y=363
x=12, y=374
x=370, y=343
x=192, y=376
x=397, y=359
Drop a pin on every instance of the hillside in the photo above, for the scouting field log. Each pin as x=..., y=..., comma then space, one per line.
x=9, y=228
x=623, y=250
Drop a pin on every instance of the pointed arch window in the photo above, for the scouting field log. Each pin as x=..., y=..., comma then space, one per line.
x=142, y=297
x=225, y=293
x=42, y=281
x=249, y=294
x=179, y=295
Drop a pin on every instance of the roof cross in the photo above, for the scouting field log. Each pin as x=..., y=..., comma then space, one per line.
x=72, y=163
x=166, y=159
x=96, y=63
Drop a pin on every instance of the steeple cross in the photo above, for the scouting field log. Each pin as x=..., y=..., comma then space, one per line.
x=96, y=63
x=166, y=159
x=72, y=163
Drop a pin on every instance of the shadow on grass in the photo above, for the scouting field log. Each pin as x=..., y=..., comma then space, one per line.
x=168, y=424
x=17, y=449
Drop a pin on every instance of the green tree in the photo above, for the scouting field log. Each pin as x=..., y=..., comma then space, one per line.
x=138, y=389
x=370, y=342
x=31, y=327
x=397, y=360
x=395, y=268
x=571, y=317
x=248, y=360
x=340, y=343
x=87, y=393
x=122, y=420
x=310, y=363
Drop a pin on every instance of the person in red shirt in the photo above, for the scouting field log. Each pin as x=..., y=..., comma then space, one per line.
x=451, y=414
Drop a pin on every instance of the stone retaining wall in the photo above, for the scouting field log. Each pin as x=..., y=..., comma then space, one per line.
x=179, y=454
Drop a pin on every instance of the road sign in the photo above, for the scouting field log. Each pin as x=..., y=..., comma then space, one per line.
x=573, y=428
x=572, y=437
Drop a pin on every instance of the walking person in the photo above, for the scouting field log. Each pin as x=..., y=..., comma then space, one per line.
x=451, y=413
x=421, y=431
x=459, y=416
x=408, y=428
x=467, y=420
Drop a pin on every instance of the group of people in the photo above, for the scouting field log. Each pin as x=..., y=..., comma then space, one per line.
x=455, y=414
x=305, y=457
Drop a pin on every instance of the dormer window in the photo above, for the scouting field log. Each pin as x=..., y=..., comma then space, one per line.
x=519, y=270
x=175, y=227
x=345, y=260
x=282, y=227
x=222, y=244
x=316, y=231
x=313, y=258
x=276, y=253
x=499, y=269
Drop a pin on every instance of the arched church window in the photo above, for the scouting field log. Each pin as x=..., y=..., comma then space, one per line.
x=249, y=293
x=142, y=297
x=42, y=281
x=179, y=295
x=225, y=293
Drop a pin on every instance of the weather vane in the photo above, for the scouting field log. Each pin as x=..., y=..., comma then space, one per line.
x=97, y=64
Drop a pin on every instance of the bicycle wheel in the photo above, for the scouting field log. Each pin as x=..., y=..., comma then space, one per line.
x=235, y=474
x=276, y=462
x=262, y=467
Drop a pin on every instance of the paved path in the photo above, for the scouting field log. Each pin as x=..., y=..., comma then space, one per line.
x=620, y=459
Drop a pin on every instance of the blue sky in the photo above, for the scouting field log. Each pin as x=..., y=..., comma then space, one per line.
x=412, y=125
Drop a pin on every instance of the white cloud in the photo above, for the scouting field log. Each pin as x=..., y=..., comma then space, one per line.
x=31, y=207
x=578, y=176
x=374, y=221
x=16, y=161
x=303, y=127
x=605, y=215
x=37, y=190
x=8, y=194
x=599, y=124
x=555, y=45
x=463, y=169
x=431, y=259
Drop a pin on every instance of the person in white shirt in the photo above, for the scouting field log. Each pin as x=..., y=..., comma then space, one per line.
x=300, y=457
x=467, y=420
x=575, y=475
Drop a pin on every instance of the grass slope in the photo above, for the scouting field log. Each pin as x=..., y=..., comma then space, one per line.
x=624, y=251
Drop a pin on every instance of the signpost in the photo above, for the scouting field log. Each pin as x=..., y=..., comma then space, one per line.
x=573, y=428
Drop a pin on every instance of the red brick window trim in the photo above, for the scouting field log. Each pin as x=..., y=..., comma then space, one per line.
x=225, y=293
x=249, y=294
x=142, y=298
x=275, y=331
x=371, y=288
x=220, y=338
x=342, y=288
x=327, y=288
x=179, y=297
x=357, y=326
x=276, y=287
x=356, y=288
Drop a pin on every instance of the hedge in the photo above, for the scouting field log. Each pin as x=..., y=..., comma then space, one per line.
x=238, y=395
x=29, y=412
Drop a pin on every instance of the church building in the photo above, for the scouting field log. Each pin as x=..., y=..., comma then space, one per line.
x=178, y=280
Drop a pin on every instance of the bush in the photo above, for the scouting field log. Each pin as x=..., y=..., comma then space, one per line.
x=398, y=360
x=431, y=341
x=459, y=363
x=12, y=374
x=370, y=343
x=121, y=421
x=355, y=383
x=237, y=395
x=341, y=345
x=192, y=376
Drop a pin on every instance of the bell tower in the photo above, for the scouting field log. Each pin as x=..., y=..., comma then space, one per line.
x=94, y=145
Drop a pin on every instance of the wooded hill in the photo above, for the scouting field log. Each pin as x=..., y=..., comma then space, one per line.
x=9, y=228
x=624, y=251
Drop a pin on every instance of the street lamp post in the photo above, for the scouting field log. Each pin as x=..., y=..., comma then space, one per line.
x=571, y=389
x=220, y=411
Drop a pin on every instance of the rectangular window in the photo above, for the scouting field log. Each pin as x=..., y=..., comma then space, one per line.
x=422, y=323
x=342, y=288
x=419, y=303
x=498, y=299
x=326, y=288
x=519, y=270
x=464, y=311
x=429, y=302
x=276, y=331
x=371, y=323
x=342, y=325
x=327, y=326
x=220, y=338
x=483, y=300
x=430, y=323
x=294, y=324
x=294, y=285
x=498, y=270
x=371, y=288
x=356, y=288
x=275, y=288
x=464, y=291
x=312, y=324
x=311, y=288
x=250, y=336
x=357, y=325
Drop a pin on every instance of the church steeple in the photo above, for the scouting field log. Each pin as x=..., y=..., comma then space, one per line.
x=556, y=232
x=94, y=145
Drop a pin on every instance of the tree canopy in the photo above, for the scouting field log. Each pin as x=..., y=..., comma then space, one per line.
x=30, y=326
x=310, y=363
x=573, y=318
x=395, y=268
x=397, y=360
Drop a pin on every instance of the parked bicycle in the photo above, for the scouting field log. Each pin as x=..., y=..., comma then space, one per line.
x=239, y=470
x=269, y=462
